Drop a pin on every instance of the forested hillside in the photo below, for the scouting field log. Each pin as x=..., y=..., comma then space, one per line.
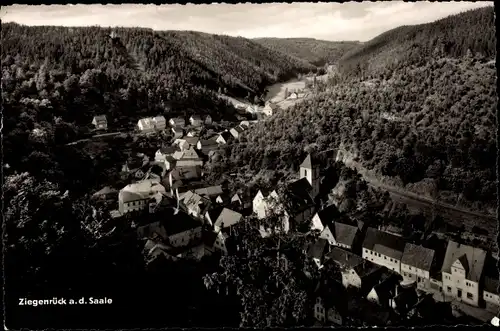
x=318, y=52
x=454, y=36
x=429, y=125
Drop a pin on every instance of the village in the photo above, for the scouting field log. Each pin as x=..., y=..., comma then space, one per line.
x=183, y=217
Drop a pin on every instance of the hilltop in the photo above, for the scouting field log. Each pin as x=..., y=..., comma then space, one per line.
x=318, y=52
x=428, y=126
x=454, y=36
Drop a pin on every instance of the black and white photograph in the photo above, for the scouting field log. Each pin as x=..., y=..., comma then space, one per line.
x=249, y=165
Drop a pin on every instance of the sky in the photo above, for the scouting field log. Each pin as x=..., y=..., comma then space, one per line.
x=329, y=21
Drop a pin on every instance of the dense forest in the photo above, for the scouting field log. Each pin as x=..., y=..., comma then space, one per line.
x=428, y=124
x=318, y=52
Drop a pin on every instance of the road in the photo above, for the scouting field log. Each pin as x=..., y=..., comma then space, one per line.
x=94, y=136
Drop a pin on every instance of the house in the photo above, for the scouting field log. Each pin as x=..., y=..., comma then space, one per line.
x=159, y=122
x=221, y=241
x=264, y=202
x=416, y=265
x=146, y=125
x=209, y=192
x=223, y=199
x=195, y=204
x=236, y=200
x=181, y=143
x=104, y=193
x=153, y=231
x=356, y=272
x=162, y=153
x=383, y=248
x=245, y=124
x=330, y=306
x=424, y=309
x=207, y=145
x=491, y=294
x=462, y=271
x=208, y=120
x=100, y=122
x=236, y=131
x=136, y=166
x=227, y=218
x=140, y=195
x=212, y=214
x=188, y=158
x=343, y=235
x=194, y=132
x=293, y=95
x=324, y=218
x=383, y=292
x=192, y=141
x=182, y=230
x=299, y=205
x=405, y=299
x=317, y=250
x=195, y=120
x=270, y=109
x=178, y=132
x=224, y=138
x=177, y=122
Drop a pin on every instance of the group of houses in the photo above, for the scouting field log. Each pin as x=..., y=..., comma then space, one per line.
x=365, y=255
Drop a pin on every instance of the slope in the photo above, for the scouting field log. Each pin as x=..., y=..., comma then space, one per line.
x=317, y=52
x=427, y=127
x=472, y=31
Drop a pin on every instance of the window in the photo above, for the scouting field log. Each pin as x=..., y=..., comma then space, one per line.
x=419, y=279
x=448, y=288
x=385, y=257
x=305, y=172
x=469, y=296
x=391, y=260
x=404, y=274
x=410, y=268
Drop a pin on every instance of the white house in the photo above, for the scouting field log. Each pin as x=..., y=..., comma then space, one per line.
x=159, y=122
x=140, y=195
x=224, y=138
x=177, y=122
x=245, y=124
x=188, y=158
x=195, y=204
x=162, y=153
x=195, y=120
x=462, y=271
x=293, y=95
x=146, y=125
x=236, y=131
x=416, y=265
x=100, y=122
x=208, y=145
x=270, y=109
x=264, y=202
x=384, y=249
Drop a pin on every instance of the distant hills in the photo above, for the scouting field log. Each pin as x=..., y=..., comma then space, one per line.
x=453, y=36
x=317, y=52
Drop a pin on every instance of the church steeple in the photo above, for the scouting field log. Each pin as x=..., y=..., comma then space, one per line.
x=310, y=171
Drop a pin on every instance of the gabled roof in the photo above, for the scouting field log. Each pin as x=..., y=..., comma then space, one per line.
x=384, y=243
x=177, y=120
x=150, y=230
x=418, y=256
x=298, y=193
x=191, y=140
x=343, y=257
x=177, y=129
x=105, y=190
x=328, y=215
x=475, y=259
x=387, y=288
x=307, y=163
x=100, y=118
x=228, y=218
x=226, y=135
x=141, y=190
x=195, y=117
x=209, y=191
x=344, y=233
x=317, y=249
x=209, y=142
x=159, y=118
x=238, y=129
x=271, y=105
x=195, y=201
x=215, y=212
x=178, y=223
x=167, y=150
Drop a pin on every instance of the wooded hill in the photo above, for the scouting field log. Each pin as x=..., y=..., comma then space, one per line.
x=318, y=52
x=429, y=124
x=453, y=36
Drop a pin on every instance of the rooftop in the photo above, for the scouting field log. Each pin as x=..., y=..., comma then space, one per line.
x=228, y=218
x=384, y=243
x=475, y=258
x=418, y=257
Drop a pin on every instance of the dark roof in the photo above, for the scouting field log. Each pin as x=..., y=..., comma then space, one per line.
x=367, y=268
x=168, y=149
x=228, y=218
x=418, y=256
x=491, y=284
x=150, y=230
x=209, y=238
x=226, y=135
x=475, y=258
x=100, y=118
x=344, y=233
x=239, y=129
x=406, y=299
x=298, y=193
x=209, y=191
x=328, y=215
x=214, y=212
x=332, y=294
x=196, y=117
x=317, y=249
x=384, y=243
x=178, y=223
x=387, y=288
x=343, y=257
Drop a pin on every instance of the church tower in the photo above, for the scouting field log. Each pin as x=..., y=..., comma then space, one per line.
x=310, y=171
